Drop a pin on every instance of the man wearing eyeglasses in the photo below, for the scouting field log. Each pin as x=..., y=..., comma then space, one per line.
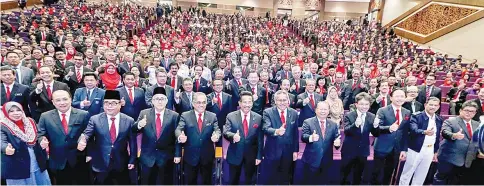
x=159, y=148
x=410, y=103
x=457, y=151
x=74, y=74
x=161, y=78
x=198, y=131
x=113, y=133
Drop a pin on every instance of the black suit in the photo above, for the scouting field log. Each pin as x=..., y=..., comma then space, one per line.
x=376, y=105
x=300, y=89
x=157, y=153
x=454, y=107
x=350, y=92
x=19, y=93
x=67, y=164
x=356, y=146
x=422, y=91
x=233, y=90
x=480, y=110
x=221, y=113
x=178, y=82
x=185, y=103
x=40, y=103
x=245, y=152
x=72, y=82
x=203, y=86
x=124, y=67
x=417, y=105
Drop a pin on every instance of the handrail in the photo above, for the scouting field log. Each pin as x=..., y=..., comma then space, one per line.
x=310, y=16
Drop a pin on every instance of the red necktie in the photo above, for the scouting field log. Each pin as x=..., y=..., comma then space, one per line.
x=158, y=125
x=197, y=84
x=383, y=101
x=130, y=65
x=89, y=62
x=243, y=69
x=456, y=95
x=39, y=64
x=219, y=101
x=79, y=76
x=287, y=75
x=238, y=82
x=403, y=83
x=354, y=84
x=130, y=95
x=253, y=91
x=245, y=125
x=311, y=99
x=297, y=85
x=43, y=36
x=64, y=122
x=173, y=82
x=469, y=129
x=136, y=83
x=49, y=92
x=8, y=93
x=267, y=94
x=427, y=94
x=200, y=122
x=283, y=119
x=323, y=128
x=112, y=130
x=397, y=116
x=482, y=106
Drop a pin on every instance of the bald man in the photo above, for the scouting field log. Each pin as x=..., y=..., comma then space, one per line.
x=59, y=130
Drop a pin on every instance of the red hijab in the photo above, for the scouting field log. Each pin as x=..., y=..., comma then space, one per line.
x=110, y=81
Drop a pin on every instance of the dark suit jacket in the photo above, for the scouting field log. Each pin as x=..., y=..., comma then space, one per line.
x=199, y=147
x=356, y=142
x=221, y=113
x=453, y=91
x=73, y=83
x=204, y=87
x=19, y=93
x=185, y=104
x=103, y=150
x=271, y=89
x=124, y=67
x=62, y=147
x=307, y=111
x=375, y=106
x=350, y=93
x=95, y=63
x=418, y=106
x=59, y=65
x=233, y=89
x=457, y=152
x=164, y=65
x=249, y=147
x=422, y=90
x=40, y=103
x=275, y=145
x=283, y=75
x=179, y=82
x=259, y=104
x=418, y=124
x=96, y=99
x=139, y=102
x=318, y=153
x=397, y=140
x=48, y=37
x=158, y=150
x=480, y=111
x=17, y=166
x=302, y=86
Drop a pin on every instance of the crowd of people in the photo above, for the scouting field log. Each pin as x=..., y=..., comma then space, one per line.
x=93, y=93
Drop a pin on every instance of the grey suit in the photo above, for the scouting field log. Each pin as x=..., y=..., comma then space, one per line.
x=26, y=75
x=455, y=156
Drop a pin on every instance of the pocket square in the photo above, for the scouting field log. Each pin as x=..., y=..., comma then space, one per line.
x=255, y=125
x=407, y=118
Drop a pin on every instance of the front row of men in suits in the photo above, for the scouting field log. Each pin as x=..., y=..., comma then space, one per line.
x=74, y=137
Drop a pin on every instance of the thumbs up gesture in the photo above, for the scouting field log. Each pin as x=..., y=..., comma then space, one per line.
x=214, y=99
x=394, y=127
x=178, y=94
x=459, y=135
x=429, y=132
x=81, y=145
x=293, y=87
x=39, y=86
x=44, y=143
x=142, y=122
x=315, y=136
x=86, y=102
x=236, y=137
x=70, y=72
x=123, y=102
x=280, y=131
x=305, y=101
x=9, y=150
x=337, y=142
x=214, y=137
x=182, y=138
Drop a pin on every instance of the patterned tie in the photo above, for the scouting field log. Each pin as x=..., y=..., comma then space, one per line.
x=130, y=95
x=49, y=92
x=253, y=90
x=427, y=94
x=64, y=122
x=245, y=125
x=323, y=128
x=469, y=129
x=283, y=119
x=200, y=122
x=112, y=130
x=158, y=125
x=219, y=101
x=78, y=75
x=311, y=99
x=8, y=93
x=397, y=116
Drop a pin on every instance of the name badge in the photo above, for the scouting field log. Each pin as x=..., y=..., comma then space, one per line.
x=18, y=94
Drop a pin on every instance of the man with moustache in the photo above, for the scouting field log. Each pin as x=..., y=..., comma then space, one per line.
x=320, y=134
x=353, y=87
x=358, y=125
x=243, y=129
x=40, y=99
x=282, y=140
x=198, y=131
x=159, y=148
x=89, y=98
x=390, y=145
x=111, y=132
x=423, y=143
x=381, y=99
x=59, y=130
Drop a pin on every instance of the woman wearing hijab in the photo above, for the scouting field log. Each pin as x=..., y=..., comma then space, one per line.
x=336, y=109
x=24, y=162
x=110, y=79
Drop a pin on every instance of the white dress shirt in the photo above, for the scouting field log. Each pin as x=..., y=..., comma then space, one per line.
x=399, y=114
x=68, y=115
x=430, y=140
x=116, y=122
x=243, y=115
